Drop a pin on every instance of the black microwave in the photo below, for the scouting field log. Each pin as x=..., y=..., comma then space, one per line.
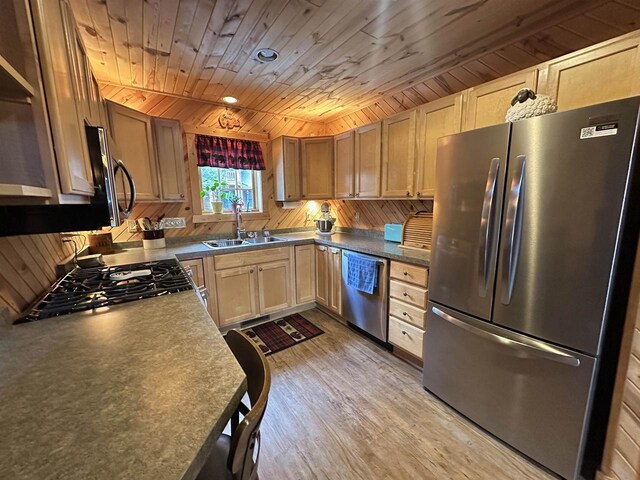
x=103, y=209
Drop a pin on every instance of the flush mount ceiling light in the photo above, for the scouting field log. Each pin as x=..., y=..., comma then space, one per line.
x=266, y=55
x=229, y=99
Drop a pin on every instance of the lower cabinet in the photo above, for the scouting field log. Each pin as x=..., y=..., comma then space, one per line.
x=305, y=281
x=329, y=278
x=274, y=286
x=236, y=292
x=408, y=296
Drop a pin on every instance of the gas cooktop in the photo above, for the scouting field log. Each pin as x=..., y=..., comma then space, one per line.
x=91, y=288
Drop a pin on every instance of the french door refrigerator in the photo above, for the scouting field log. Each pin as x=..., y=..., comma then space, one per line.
x=535, y=228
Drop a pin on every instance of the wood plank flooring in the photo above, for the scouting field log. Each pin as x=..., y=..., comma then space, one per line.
x=343, y=408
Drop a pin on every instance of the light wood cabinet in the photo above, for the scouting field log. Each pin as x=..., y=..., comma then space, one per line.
x=170, y=153
x=317, y=168
x=305, y=281
x=152, y=150
x=335, y=280
x=367, y=160
x=237, y=295
x=398, y=155
x=65, y=84
x=285, y=153
x=406, y=336
x=133, y=133
x=487, y=104
x=435, y=119
x=322, y=275
x=594, y=75
x=274, y=286
x=344, y=167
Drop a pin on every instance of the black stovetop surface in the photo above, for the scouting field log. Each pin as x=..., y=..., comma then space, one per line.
x=96, y=287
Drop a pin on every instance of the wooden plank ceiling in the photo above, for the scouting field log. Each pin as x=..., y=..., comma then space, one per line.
x=336, y=56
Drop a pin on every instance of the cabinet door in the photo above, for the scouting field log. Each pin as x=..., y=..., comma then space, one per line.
x=344, y=165
x=335, y=280
x=367, y=161
x=594, y=75
x=236, y=293
x=168, y=142
x=322, y=275
x=133, y=133
x=305, y=274
x=57, y=40
x=195, y=269
x=398, y=155
x=317, y=168
x=285, y=152
x=274, y=286
x=488, y=103
x=435, y=119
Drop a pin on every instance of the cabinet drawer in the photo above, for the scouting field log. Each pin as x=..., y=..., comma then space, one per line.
x=405, y=336
x=408, y=293
x=410, y=273
x=408, y=313
x=232, y=260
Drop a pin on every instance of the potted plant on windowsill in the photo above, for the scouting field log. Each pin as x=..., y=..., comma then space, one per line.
x=213, y=188
x=235, y=202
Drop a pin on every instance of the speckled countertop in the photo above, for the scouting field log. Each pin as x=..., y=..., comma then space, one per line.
x=358, y=243
x=139, y=391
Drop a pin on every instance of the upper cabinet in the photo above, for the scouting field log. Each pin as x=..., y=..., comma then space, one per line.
x=367, y=160
x=487, y=104
x=435, y=119
x=66, y=74
x=398, y=154
x=597, y=74
x=285, y=152
x=317, y=168
x=168, y=140
x=344, y=167
x=152, y=150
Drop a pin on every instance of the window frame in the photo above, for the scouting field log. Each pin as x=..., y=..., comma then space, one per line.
x=256, y=190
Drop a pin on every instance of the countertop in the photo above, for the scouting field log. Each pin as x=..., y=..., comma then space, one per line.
x=140, y=390
x=357, y=243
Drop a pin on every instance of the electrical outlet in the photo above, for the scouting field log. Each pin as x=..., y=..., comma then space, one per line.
x=132, y=226
x=357, y=216
x=175, y=222
x=308, y=217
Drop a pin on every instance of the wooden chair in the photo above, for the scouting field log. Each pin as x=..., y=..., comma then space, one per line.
x=233, y=456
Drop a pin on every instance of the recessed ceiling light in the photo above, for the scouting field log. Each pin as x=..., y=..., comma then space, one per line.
x=229, y=99
x=266, y=55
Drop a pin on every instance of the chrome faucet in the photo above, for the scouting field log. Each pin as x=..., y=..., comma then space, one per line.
x=240, y=231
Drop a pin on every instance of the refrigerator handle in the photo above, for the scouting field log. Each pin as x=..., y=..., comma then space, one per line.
x=513, y=230
x=534, y=348
x=486, y=224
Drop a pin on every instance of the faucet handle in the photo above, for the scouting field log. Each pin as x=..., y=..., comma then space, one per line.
x=266, y=233
x=251, y=234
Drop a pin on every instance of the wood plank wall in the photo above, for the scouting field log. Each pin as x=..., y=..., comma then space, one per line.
x=27, y=268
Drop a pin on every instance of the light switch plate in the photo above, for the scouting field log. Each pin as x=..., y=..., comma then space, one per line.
x=175, y=222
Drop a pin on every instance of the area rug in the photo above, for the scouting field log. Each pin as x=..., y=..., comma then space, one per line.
x=277, y=335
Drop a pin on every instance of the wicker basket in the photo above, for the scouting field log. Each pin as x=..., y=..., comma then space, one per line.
x=417, y=231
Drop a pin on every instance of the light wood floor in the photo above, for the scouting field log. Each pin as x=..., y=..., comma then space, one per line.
x=341, y=408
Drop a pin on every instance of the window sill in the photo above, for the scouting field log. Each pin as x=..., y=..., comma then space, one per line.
x=228, y=217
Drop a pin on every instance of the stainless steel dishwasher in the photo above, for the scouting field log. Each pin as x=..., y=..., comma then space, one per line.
x=368, y=312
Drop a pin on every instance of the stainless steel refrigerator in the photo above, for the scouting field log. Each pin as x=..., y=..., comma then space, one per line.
x=534, y=235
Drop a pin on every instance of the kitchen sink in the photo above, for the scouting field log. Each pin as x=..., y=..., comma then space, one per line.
x=240, y=243
x=226, y=243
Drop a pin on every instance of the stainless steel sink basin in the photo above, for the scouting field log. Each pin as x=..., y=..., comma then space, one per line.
x=226, y=243
x=239, y=243
x=266, y=239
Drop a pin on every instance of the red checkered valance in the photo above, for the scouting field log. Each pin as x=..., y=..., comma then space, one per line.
x=228, y=153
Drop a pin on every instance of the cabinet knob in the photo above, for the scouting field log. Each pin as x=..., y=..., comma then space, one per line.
x=357, y=194
x=408, y=194
x=251, y=271
x=405, y=273
x=418, y=194
x=404, y=333
x=288, y=196
x=303, y=196
x=260, y=269
x=405, y=294
x=404, y=313
x=351, y=194
x=182, y=195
